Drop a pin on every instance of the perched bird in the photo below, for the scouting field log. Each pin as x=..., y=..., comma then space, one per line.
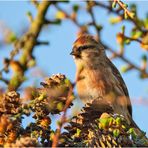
x=98, y=78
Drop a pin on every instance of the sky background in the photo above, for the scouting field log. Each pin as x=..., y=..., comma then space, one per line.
x=55, y=58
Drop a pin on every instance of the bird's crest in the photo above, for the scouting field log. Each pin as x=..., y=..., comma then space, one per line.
x=85, y=38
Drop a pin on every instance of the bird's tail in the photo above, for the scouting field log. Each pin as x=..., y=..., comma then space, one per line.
x=140, y=134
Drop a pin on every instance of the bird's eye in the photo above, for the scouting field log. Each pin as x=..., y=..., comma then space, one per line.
x=85, y=47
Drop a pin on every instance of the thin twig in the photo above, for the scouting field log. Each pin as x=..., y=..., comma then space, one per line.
x=94, y=21
x=134, y=21
x=123, y=58
x=4, y=80
x=134, y=39
x=121, y=4
x=63, y=118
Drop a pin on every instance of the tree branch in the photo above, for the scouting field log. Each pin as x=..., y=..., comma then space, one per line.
x=30, y=40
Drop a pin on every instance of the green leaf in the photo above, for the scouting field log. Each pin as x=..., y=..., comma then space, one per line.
x=125, y=15
x=67, y=82
x=29, y=13
x=114, y=4
x=32, y=63
x=132, y=15
x=125, y=5
x=104, y=122
x=118, y=120
x=127, y=41
x=132, y=132
x=99, y=27
x=144, y=58
x=78, y=132
x=145, y=21
x=123, y=127
x=116, y=132
x=136, y=34
x=115, y=20
x=124, y=68
x=123, y=29
x=75, y=8
x=41, y=97
x=110, y=121
x=12, y=37
x=51, y=136
x=60, y=106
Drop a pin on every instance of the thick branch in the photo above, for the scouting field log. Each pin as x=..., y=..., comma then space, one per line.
x=31, y=40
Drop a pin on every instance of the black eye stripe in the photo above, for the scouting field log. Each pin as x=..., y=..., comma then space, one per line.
x=86, y=47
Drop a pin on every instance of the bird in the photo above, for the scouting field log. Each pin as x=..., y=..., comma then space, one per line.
x=97, y=78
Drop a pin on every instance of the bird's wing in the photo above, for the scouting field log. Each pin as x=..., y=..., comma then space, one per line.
x=122, y=84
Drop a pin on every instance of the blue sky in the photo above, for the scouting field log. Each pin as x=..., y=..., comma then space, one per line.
x=55, y=58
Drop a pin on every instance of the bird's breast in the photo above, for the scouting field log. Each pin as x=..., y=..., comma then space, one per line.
x=90, y=85
x=96, y=83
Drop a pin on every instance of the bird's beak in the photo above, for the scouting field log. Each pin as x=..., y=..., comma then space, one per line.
x=75, y=53
x=72, y=53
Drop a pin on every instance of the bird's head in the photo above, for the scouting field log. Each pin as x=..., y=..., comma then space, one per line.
x=86, y=50
x=86, y=47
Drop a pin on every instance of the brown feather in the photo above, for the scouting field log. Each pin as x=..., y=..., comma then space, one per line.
x=122, y=83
